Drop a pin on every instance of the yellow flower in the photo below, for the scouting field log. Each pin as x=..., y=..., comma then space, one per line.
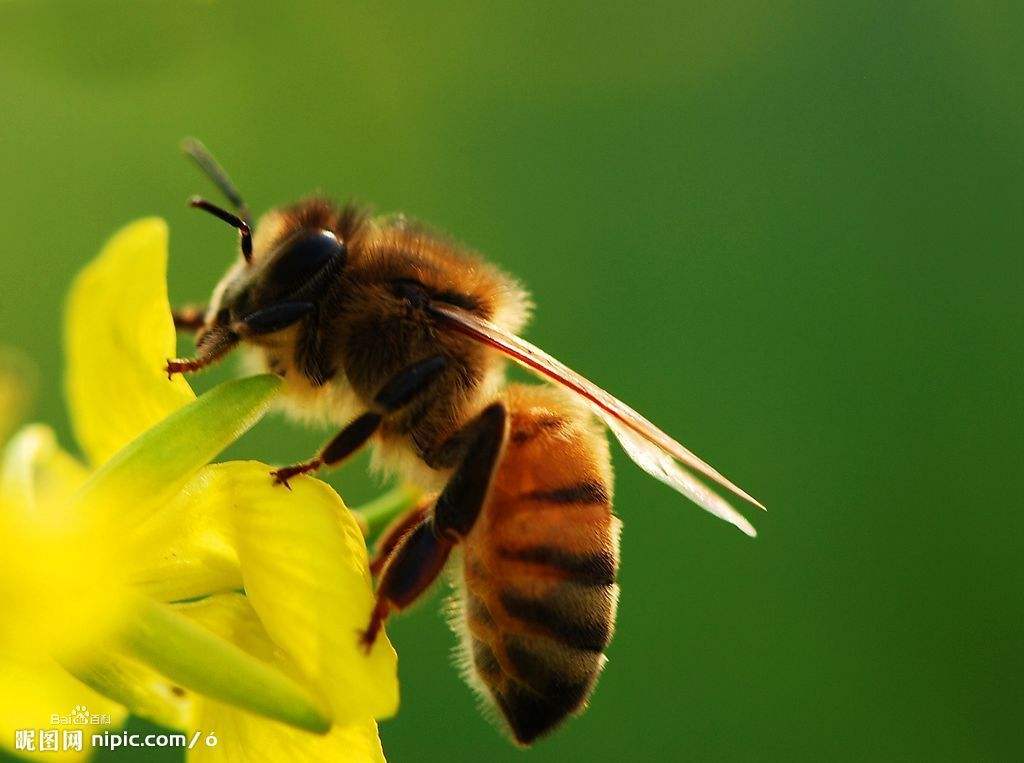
x=49, y=590
x=146, y=552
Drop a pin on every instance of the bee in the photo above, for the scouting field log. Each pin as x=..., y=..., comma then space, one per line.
x=401, y=338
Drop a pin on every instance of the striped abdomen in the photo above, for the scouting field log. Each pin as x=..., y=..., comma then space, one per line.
x=538, y=594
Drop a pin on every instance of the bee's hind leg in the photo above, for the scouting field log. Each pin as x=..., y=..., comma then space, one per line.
x=409, y=571
x=477, y=449
x=395, y=532
x=420, y=554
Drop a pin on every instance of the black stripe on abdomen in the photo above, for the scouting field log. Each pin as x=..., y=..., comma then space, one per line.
x=593, y=569
x=559, y=623
x=544, y=675
x=547, y=684
x=530, y=715
x=524, y=432
x=589, y=492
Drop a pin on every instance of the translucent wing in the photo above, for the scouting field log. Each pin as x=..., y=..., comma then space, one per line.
x=649, y=447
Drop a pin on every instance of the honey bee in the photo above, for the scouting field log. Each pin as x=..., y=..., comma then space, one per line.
x=401, y=337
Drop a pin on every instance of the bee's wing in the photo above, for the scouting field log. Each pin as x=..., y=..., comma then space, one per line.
x=649, y=447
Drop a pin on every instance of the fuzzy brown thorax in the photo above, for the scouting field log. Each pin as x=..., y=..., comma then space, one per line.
x=365, y=322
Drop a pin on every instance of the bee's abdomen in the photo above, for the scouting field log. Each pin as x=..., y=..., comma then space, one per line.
x=539, y=567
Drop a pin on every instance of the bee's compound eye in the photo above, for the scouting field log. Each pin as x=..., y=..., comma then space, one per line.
x=303, y=257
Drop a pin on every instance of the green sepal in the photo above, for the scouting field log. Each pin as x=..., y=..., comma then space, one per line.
x=142, y=690
x=152, y=469
x=377, y=514
x=196, y=659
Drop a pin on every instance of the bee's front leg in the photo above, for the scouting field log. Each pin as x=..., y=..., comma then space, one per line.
x=211, y=347
x=189, y=318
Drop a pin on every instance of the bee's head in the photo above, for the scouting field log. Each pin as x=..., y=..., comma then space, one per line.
x=275, y=283
x=279, y=280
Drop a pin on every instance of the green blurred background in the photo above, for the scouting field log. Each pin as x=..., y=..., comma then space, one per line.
x=789, y=232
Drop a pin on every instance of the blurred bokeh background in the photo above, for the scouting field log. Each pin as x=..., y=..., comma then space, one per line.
x=790, y=232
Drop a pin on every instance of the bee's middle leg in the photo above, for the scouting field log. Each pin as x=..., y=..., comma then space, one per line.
x=398, y=392
x=420, y=554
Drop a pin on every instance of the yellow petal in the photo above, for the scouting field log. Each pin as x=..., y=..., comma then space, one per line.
x=36, y=472
x=187, y=549
x=118, y=335
x=242, y=736
x=33, y=691
x=148, y=472
x=46, y=550
x=305, y=571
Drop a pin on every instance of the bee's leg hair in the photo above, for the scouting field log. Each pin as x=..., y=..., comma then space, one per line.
x=212, y=346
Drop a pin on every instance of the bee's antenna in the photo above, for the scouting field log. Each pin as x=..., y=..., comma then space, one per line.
x=235, y=222
x=212, y=169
